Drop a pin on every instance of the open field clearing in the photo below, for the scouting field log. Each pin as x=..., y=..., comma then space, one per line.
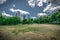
x=30, y=32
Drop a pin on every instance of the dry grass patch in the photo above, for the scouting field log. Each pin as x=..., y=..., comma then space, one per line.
x=5, y=35
x=31, y=36
x=31, y=32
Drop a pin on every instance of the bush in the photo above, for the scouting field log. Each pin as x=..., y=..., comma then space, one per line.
x=41, y=19
x=25, y=21
x=30, y=21
x=12, y=21
x=54, y=18
x=9, y=20
x=2, y=19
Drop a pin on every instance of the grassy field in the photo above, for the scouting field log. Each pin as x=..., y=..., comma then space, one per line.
x=30, y=32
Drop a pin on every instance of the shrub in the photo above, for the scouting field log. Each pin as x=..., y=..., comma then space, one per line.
x=12, y=21
x=54, y=18
x=2, y=19
x=30, y=21
x=24, y=21
x=9, y=20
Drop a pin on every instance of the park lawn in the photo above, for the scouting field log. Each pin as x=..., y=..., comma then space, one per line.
x=28, y=30
x=42, y=28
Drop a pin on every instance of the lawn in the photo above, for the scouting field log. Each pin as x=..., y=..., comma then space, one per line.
x=31, y=32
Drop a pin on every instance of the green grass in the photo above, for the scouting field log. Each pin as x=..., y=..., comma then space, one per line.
x=47, y=30
x=42, y=28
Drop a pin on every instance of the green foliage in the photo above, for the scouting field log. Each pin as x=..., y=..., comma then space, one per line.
x=54, y=18
x=12, y=21
x=31, y=21
x=51, y=19
x=35, y=20
x=43, y=19
x=25, y=21
x=2, y=20
x=16, y=32
x=58, y=17
x=28, y=21
x=9, y=20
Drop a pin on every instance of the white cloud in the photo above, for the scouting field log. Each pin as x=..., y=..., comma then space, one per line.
x=5, y=14
x=55, y=8
x=31, y=3
x=33, y=17
x=12, y=10
x=39, y=3
x=2, y=1
x=45, y=1
x=51, y=8
x=41, y=14
x=21, y=11
x=48, y=7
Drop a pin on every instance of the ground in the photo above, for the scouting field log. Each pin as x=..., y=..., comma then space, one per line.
x=30, y=32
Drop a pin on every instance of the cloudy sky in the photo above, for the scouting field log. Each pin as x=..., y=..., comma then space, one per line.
x=32, y=7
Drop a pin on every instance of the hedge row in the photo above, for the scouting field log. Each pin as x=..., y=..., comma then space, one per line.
x=54, y=18
x=9, y=20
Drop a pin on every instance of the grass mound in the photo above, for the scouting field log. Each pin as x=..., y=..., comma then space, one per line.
x=30, y=32
x=5, y=35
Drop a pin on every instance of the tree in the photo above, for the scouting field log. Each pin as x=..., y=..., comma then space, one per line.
x=12, y=21
x=49, y=19
x=58, y=17
x=53, y=17
x=2, y=19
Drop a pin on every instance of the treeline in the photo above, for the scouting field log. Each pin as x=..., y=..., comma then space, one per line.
x=9, y=20
x=51, y=19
